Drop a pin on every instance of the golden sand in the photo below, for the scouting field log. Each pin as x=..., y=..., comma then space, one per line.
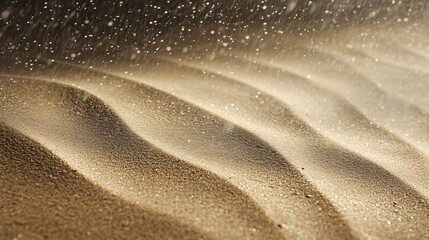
x=323, y=139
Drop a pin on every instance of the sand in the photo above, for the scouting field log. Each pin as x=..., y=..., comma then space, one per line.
x=321, y=138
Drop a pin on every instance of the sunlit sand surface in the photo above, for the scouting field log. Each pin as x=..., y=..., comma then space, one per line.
x=324, y=137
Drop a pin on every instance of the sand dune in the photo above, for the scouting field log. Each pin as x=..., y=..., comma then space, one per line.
x=315, y=140
x=117, y=160
x=76, y=207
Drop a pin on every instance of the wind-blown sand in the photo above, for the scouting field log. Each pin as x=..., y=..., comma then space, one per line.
x=322, y=138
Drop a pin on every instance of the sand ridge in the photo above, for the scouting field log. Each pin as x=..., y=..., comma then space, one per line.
x=298, y=143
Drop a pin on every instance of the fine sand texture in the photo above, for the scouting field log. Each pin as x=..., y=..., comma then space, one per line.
x=325, y=136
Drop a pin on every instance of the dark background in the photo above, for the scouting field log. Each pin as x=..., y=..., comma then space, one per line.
x=112, y=29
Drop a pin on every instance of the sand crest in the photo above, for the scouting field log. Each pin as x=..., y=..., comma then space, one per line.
x=318, y=139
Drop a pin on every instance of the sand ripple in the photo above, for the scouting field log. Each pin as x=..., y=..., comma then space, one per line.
x=324, y=140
